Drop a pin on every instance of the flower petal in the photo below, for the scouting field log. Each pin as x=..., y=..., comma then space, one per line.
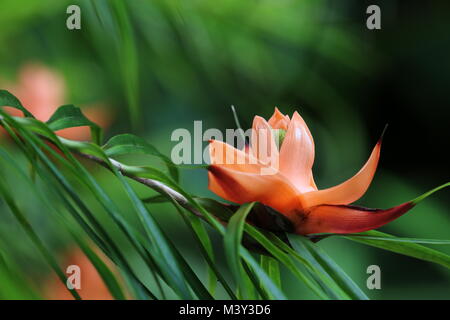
x=263, y=143
x=242, y=187
x=279, y=120
x=297, y=155
x=351, y=190
x=347, y=219
x=225, y=155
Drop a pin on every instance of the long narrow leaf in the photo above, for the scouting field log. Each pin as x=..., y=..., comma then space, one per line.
x=35, y=239
x=334, y=270
x=406, y=248
x=131, y=144
x=69, y=116
x=232, y=241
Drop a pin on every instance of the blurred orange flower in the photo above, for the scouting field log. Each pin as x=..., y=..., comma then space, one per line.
x=281, y=178
x=92, y=285
x=42, y=90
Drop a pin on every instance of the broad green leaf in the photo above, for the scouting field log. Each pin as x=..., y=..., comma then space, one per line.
x=69, y=116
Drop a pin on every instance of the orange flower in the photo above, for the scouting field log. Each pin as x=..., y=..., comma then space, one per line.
x=282, y=179
x=42, y=90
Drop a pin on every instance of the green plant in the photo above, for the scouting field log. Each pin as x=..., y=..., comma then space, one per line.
x=255, y=256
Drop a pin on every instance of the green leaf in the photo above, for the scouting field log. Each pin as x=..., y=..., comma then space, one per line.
x=278, y=249
x=271, y=290
x=232, y=241
x=112, y=18
x=159, y=248
x=218, y=209
x=20, y=217
x=395, y=239
x=159, y=198
x=331, y=267
x=69, y=116
x=15, y=285
x=224, y=213
x=313, y=269
x=105, y=273
x=213, y=207
x=22, y=125
x=178, y=283
x=131, y=144
x=234, y=251
x=199, y=232
x=406, y=248
x=169, y=263
x=128, y=58
x=272, y=268
x=9, y=100
x=205, y=242
x=103, y=270
x=429, y=193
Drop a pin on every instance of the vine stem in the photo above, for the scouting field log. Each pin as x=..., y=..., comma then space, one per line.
x=151, y=183
x=122, y=168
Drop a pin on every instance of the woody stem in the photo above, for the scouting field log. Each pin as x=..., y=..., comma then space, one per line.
x=151, y=183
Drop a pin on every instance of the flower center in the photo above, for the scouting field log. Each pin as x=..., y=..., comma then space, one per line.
x=278, y=135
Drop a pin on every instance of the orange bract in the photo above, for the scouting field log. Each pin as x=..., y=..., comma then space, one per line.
x=282, y=179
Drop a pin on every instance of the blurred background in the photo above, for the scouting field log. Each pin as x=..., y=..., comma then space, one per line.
x=150, y=67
